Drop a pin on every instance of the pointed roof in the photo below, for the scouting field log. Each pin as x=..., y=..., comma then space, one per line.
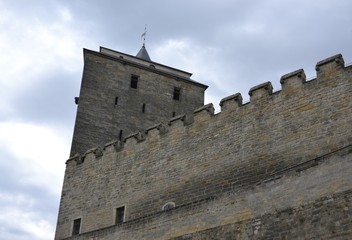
x=143, y=54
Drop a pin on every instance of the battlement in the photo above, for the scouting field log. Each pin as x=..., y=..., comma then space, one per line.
x=195, y=158
x=293, y=83
x=121, y=94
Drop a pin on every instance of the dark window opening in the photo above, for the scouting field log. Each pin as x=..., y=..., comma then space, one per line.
x=143, y=108
x=177, y=92
x=120, y=135
x=173, y=114
x=116, y=100
x=120, y=215
x=76, y=226
x=134, y=81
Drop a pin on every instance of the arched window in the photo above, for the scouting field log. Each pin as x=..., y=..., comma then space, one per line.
x=168, y=206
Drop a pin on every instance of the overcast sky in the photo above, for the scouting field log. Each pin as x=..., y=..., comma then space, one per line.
x=230, y=45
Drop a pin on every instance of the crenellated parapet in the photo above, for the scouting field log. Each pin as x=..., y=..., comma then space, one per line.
x=115, y=144
x=137, y=137
x=177, y=119
x=260, y=92
x=328, y=66
x=208, y=108
x=231, y=102
x=161, y=128
x=292, y=84
x=205, y=112
x=273, y=143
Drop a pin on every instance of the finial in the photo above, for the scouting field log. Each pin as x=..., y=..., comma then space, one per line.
x=144, y=34
x=143, y=54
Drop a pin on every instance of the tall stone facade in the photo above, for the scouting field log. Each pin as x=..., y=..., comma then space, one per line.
x=278, y=167
x=121, y=94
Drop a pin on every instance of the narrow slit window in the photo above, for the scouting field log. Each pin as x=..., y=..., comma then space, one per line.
x=143, y=108
x=173, y=114
x=177, y=93
x=116, y=100
x=134, y=81
x=120, y=135
x=76, y=226
x=120, y=215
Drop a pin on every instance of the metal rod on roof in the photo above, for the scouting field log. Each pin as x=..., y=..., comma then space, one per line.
x=144, y=34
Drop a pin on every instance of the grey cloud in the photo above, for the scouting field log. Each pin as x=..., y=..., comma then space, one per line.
x=36, y=203
x=257, y=41
x=51, y=102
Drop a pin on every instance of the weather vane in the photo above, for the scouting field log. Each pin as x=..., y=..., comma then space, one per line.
x=144, y=34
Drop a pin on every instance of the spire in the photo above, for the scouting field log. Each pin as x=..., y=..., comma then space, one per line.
x=143, y=54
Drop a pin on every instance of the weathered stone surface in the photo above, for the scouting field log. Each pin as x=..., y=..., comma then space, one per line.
x=278, y=167
x=107, y=103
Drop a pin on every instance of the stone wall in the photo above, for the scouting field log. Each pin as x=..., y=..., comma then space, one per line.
x=310, y=203
x=229, y=174
x=107, y=104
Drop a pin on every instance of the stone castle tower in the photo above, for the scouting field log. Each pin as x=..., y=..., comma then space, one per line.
x=122, y=94
x=150, y=161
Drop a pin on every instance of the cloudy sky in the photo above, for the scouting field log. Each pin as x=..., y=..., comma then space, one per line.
x=230, y=45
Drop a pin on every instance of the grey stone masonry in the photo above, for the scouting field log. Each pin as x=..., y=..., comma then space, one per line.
x=109, y=107
x=278, y=167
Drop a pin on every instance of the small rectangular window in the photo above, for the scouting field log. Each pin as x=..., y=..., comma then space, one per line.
x=76, y=226
x=143, y=108
x=116, y=100
x=120, y=215
x=177, y=92
x=134, y=81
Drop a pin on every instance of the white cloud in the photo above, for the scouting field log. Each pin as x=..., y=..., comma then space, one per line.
x=23, y=224
x=44, y=38
x=189, y=56
x=38, y=151
x=65, y=14
x=33, y=155
x=253, y=28
x=32, y=48
x=36, y=156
